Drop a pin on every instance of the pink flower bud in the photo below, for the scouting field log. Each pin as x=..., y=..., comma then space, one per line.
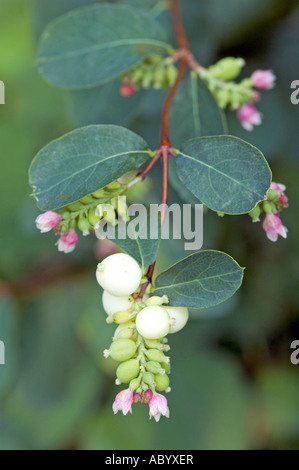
x=123, y=401
x=263, y=79
x=249, y=116
x=158, y=406
x=278, y=187
x=48, y=220
x=127, y=89
x=137, y=397
x=148, y=394
x=273, y=227
x=67, y=242
x=284, y=201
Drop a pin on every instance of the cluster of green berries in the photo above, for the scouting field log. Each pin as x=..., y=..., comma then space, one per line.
x=87, y=213
x=139, y=343
x=220, y=81
x=154, y=71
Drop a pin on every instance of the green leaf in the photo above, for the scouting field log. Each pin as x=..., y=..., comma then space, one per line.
x=144, y=250
x=83, y=161
x=226, y=173
x=194, y=112
x=95, y=44
x=201, y=280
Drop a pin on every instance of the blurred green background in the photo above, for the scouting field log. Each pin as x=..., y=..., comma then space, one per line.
x=233, y=385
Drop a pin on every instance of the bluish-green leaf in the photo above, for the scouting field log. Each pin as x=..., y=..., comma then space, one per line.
x=95, y=44
x=227, y=174
x=194, y=112
x=203, y=279
x=142, y=237
x=83, y=161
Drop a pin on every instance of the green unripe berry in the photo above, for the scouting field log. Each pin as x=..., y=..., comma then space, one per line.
x=100, y=193
x=113, y=185
x=122, y=349
x=154, y=344
x=75, y=206
x=155, y=355
x=255, y=213
x=166, y=367
x=269, y=207
x=227, y=68
x=93, y=218
x=273, y=195
x=87, y=199
x=162, y=382
x=66, y=215
x=246, y=83
x=156, y=300
x=134, y=384
x=154, y=367
x=148, y=378
x=121, y=317
x=128, y=371
x=223, y=97
x=171, y=74
x=83, y=225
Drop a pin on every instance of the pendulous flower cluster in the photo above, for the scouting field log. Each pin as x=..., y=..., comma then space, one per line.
x=139, y=343
x=275, y=202
x=86, y=214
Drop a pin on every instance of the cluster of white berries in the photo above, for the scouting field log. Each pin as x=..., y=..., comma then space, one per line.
x=139, y=341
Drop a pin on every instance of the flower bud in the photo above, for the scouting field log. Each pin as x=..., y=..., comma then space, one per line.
x=155, y=355
x=128, y=370
x=47, y=221
x=171, y=74
x=156, y=301
x=122, y=349
x=148, y=378
x=162, y=382
x=127, y=89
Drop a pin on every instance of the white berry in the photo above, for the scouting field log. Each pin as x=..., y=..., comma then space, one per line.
x=178, y=318
x=113, y=304
x=153, y=322
x=119, y=274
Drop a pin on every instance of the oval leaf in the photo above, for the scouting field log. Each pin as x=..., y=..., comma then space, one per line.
x=97, y=43
x=83, y=161
x=226, y=173
x=203, y=279
x=194, y=112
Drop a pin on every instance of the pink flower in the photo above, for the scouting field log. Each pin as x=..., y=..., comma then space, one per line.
x=127, y=89
x=123, y=401
x=263, y=79
x=158, y=406
x=67, y=242
x=281, y=188
x=249, y=116
x=273, y=227
x=48, y=220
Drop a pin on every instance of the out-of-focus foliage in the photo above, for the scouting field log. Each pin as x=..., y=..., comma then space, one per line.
x=231, y=364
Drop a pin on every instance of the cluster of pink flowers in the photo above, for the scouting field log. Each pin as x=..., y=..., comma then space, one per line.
x=248, y=114
x=50, y=220
x=272, y=223
x=157, y=403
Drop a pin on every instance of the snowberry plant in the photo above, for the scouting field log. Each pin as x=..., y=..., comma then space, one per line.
x=78, y=179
